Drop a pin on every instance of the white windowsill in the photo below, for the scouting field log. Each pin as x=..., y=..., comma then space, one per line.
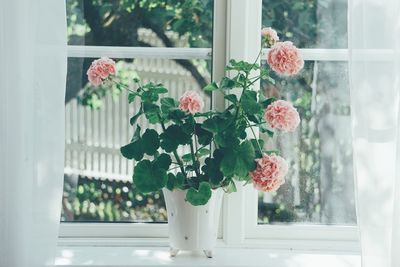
x=123, y=256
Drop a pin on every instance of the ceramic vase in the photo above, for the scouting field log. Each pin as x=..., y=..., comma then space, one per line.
x=192, y=228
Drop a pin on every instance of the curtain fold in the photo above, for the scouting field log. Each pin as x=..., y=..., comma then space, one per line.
x=374, y=46
x=33, y=53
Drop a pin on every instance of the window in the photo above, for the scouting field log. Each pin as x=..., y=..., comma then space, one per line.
x=317, y=199
x=318, y=196
x=320, y=183
x=155, y=40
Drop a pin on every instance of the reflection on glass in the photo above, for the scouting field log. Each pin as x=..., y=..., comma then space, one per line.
x=158, y=23
x=319, y=186
x=308, y=23
x=97, y=184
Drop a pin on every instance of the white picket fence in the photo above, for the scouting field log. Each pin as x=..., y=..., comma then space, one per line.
x=93, y=137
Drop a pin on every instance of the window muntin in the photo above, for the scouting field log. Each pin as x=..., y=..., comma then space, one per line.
x=97, y=184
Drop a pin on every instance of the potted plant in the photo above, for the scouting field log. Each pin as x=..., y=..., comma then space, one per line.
x=223, y=146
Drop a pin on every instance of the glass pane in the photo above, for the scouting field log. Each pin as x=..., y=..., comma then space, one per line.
x=98, y=180
x=308, y=23
x=157, y=23
x=319, y=185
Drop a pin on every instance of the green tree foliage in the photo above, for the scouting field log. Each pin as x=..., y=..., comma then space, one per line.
x=116, y=23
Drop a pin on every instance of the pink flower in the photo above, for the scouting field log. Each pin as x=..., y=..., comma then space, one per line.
x=100, y=69
x=270, y=173
x=285, y=59
x=282, y=115
x=270, y=36
x=191, y=102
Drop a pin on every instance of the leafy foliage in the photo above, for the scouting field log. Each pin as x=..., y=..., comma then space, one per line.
x=225, y=132
x=149, y=177
x=199, y=196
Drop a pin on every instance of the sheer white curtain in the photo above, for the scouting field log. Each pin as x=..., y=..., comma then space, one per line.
x=375, y=75
x=32, y=88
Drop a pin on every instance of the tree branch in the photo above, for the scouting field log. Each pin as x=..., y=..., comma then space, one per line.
x=201, y=81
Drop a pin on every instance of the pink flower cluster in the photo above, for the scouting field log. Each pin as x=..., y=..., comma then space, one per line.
x=100, y=69
x=270, y=173
x=282, y=115
x=191, y=102
x=270, y=36
x=285, y=58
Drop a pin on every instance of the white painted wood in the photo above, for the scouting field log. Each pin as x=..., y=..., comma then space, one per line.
x=139, y=52
x=316, y=54
x=232, y=257
x=112, y=230
x=192, y=227
x=309, y=54
x=243, y=43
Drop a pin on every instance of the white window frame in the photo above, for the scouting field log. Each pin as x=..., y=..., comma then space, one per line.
x=236, y=35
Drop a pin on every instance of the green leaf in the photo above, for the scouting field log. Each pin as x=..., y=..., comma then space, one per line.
x=250, y=104
x=227, y=83
x=199, y=154
x=211, y=168
x=134, y=119
x=150, y=142
x=132, y=151
x=173, y=137
x=177, y=115
x=231, y=187
x=187, y=157
x=268, y=102
x=175, y=181
x=204, y=137
x=241, y=66
x=159, y=89
x=232, y=98
x=217, y=123
x=149, y=96
x=256, y=148
x=136, y=134
x=264, y=129
x=200, y=196
x=151, y=111
x=210, y=87
x=254, y=118
x=238, y=160
x=202, y=152
x=132, y=96
x=148, y=177
x=168, y=103
x=163, y=161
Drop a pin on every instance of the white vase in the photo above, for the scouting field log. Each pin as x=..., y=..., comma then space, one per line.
x=192, y=227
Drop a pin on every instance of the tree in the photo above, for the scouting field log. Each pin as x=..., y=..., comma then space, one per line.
x=105, y=24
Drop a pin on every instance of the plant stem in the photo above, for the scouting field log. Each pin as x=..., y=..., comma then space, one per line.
x=258, y=56
x=258, y=78
x=194, y=160
x=254, y=134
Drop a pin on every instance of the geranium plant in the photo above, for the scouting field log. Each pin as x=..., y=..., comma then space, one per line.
x=223, y=145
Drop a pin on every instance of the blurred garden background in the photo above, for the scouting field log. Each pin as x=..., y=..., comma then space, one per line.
x=97, y=184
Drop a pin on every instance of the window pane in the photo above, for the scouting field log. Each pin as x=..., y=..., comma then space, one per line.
x=319, y=185
x=158, y=23
x=97, y=184
x=308, y=23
